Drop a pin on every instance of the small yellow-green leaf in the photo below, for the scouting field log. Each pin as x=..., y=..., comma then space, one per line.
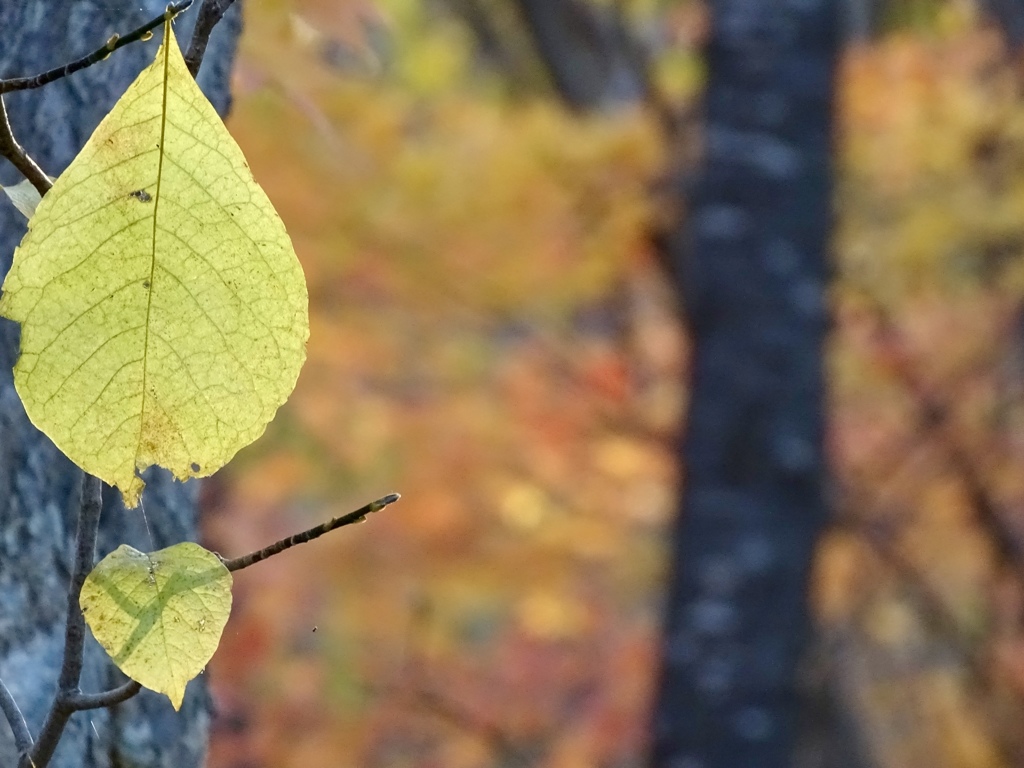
x=163, y=311
x=24, y=196
x=159, y=615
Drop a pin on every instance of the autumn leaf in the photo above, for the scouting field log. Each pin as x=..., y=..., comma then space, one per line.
x=163, y=310
x=159, y=615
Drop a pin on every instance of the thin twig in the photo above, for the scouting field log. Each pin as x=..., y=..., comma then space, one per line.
x=358, y=516
x=210, y=13
x=82, y=701
x=116, y=41
x=74, y=633
x=11, y=710
x=12, y=150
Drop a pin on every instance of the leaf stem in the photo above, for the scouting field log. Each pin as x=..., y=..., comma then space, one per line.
x=11, y=710
x=74, y=633
x=115, y=42
x=357, y=516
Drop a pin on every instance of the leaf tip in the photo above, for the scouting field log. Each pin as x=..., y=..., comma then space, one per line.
x=132, y=491
x=176, y=696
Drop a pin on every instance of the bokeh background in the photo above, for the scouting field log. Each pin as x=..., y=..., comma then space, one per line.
x=494, y=337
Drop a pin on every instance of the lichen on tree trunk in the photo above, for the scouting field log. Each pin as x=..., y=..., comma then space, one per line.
x=38, y=485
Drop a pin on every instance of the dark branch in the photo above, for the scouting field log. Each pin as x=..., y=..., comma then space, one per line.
x=77, y=702
x=116, y=41
x=11, y=149
x=210, y=12
x=11, y=710
x=85, y=557
x=358, y=516
x=74, y=634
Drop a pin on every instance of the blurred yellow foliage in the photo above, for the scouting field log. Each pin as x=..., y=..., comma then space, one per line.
x=491, y=337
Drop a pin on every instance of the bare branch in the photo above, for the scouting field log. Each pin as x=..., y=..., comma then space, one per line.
x=85, y=557
x=358, y=516
x=74, y=633
x=116, y=41
x=11, y=710
x=12, y=150
x=77, y=702
x=210, y=13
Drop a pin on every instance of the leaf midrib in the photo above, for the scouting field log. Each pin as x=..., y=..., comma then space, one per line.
x=152, y=260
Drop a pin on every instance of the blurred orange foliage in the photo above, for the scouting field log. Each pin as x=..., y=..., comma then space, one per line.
x=471, y=263
x=492, y=338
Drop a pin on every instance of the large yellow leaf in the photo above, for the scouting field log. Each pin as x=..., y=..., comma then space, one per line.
x=163, y=311
x=159, y=615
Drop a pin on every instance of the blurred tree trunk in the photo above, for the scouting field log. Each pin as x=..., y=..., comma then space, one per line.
x=1009, y=16
x=751, y=267
x=751, y=264
x=860, y=19
x=38, y=486
x=584, y=52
